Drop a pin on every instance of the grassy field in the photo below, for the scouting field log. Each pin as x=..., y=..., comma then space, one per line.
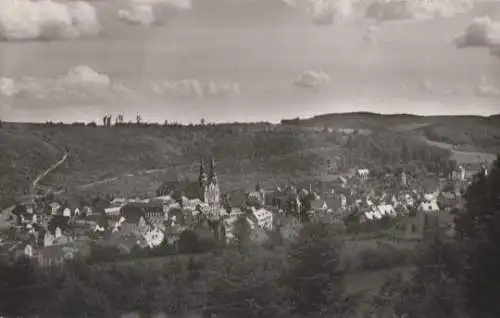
x=465, y=157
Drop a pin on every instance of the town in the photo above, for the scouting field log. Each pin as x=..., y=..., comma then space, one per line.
x=397, y=209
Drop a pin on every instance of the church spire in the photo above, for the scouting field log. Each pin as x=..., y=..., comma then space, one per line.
x=213, y=175
x=203, y=175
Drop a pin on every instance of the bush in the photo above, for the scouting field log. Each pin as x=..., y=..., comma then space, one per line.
x=372, y=259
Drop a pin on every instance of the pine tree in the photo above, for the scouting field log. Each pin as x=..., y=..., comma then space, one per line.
x=433, y=290
x=314, y=275
x=246, y=285
x=479, y=233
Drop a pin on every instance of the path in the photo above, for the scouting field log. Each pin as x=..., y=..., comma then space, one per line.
x=5, y=213
x=49, y=170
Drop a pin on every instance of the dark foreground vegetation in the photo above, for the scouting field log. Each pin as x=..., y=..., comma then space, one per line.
x=452, y=278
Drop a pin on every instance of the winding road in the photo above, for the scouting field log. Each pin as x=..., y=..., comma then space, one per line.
x=5, y=213
x=49, y=170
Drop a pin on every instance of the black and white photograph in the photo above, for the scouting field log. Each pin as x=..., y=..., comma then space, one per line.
x=250, y=158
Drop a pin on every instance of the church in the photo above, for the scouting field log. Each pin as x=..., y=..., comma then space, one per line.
x=209, y=186
x=206, y=189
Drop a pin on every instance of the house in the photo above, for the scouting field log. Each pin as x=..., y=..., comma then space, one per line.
x=113, y=211
x=154, y=237
x=133, y=211
x=28, y=250
x=28, y=202
x=379, y=211
x=363, y=174
x=264, y=218
x=458, y=174
x=318, y=205
x=428, y=206
x=53, y=208
x=386, y=209
x=66, y=212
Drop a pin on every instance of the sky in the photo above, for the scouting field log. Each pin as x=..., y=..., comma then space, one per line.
x=245, y=60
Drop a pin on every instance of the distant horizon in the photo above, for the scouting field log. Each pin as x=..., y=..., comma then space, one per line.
x=222, y=122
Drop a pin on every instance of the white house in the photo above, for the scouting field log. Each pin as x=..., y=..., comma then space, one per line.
x=264, y=218
x=54, y=208
x=48, y=239
x=28, y=250
x=458, y=173
x=428, y=206
x=67, y=212
x=154, y=237
x=363, y=173
x=386, y=210
x=379, y=211
x=113, y=211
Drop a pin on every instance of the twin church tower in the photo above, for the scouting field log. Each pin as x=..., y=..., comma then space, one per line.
x=209, y=186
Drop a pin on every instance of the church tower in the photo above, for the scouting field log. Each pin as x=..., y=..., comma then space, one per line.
x=212, y=192
x=203, y=179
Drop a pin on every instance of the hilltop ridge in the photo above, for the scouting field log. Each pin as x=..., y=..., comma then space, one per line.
x=138, y=157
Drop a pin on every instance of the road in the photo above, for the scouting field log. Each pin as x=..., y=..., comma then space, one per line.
x=49, y=170
x=4, y=214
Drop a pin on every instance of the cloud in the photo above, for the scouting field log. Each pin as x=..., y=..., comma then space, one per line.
x=193, y=89
x=312, y=79
x=83, y=84
x=324, y=11
x=151, y=12
x=22, y=20
x=80, y=82
x=482, y=32
x=392, y=10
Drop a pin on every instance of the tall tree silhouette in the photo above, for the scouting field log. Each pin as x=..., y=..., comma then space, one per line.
x=479, y=233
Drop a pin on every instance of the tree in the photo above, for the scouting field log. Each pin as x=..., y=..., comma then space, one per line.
x=478, y=230
x=189, y=242
x=247, y=285
x=77, y=299
x=433, y=290
x=314, y=275
x=242, y=231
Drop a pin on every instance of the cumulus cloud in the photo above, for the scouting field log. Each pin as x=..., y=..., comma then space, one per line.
x=22, y=20
x=80, y=82
x=151, y=12
x=387, y=10
x=482, y=32
x=324, y=11
x=312, y=79
x=193, y=89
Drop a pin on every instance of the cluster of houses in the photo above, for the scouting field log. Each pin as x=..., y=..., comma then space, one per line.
x=58, y=231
